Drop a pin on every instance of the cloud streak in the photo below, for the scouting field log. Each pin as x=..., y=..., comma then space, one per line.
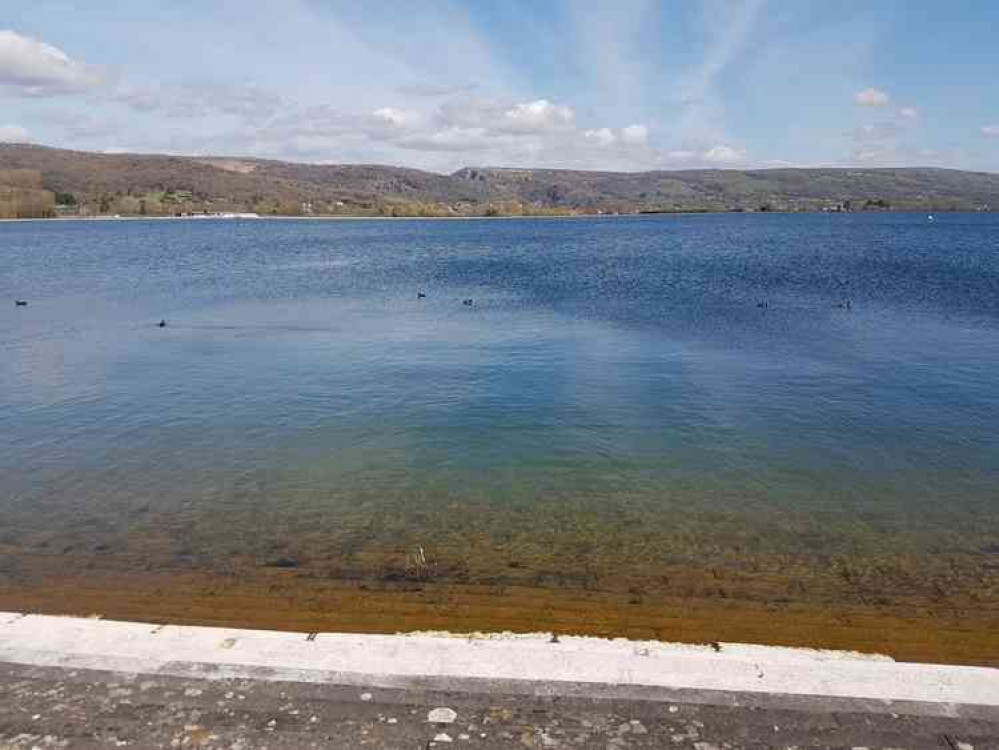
x=728, y=26
x=35, y=68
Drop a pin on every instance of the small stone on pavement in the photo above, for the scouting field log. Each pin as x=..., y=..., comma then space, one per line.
x=442, y=715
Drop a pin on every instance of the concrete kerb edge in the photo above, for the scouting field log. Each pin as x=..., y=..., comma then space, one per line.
x=370, y=661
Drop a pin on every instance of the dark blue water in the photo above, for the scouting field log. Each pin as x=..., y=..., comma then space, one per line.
x=605, y=364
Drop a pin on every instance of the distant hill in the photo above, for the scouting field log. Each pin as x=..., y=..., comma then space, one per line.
x=91, y=183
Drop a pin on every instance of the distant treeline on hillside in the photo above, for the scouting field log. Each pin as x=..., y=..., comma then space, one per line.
x=39, y=181
x=22, y=196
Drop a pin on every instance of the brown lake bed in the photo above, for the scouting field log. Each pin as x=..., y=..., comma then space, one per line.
x=782, y=580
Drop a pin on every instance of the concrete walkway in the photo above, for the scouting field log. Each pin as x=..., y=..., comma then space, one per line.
x=67, y=682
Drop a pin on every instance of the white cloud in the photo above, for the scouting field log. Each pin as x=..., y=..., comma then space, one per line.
x=722, y=154
x=716, y=156
x=635, y=134
x=450, y=139
x=443, y=137
x=601, y=136
x=871, y=156
x=14, y=134
x=991, y=131
x=538, y=116
x=872, y=97
x=909, y=113
x=626, y=138
x=680, y=156
x=39, y=69
x=392, y=116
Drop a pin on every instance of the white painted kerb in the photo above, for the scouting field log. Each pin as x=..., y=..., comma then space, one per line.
x=385, y=660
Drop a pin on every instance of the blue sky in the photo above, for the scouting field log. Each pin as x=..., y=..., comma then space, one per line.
x=629, y=84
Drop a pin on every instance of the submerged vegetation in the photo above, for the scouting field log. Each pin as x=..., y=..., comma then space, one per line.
x=638, y=568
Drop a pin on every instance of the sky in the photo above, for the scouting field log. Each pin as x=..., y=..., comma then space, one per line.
x=440, y=84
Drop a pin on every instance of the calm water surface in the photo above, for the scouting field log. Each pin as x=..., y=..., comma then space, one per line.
x=615, y=391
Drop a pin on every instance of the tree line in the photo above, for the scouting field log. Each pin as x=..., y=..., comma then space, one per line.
x=22, y=195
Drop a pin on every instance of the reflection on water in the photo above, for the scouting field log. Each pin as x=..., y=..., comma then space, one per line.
x=615, y=412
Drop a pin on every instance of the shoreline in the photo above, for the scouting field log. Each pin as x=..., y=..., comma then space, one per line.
x=245, y=219
x=494, y=663
x=481, y=218
x=284, y=601
x=492, y=571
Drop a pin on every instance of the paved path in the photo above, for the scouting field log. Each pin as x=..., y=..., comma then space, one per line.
x=46, y=707
x=78, y=683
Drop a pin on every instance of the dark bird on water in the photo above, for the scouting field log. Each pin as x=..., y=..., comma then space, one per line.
x=161, y=324
x=421, y=295
x=763, y=305
x=468, y=302
x=20, y=303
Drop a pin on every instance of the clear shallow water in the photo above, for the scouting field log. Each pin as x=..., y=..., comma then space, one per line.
x=614, y=381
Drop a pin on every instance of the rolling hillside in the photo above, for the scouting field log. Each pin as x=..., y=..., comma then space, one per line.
x=93, y=183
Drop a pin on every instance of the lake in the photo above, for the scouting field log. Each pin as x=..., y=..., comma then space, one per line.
x=760, y=427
